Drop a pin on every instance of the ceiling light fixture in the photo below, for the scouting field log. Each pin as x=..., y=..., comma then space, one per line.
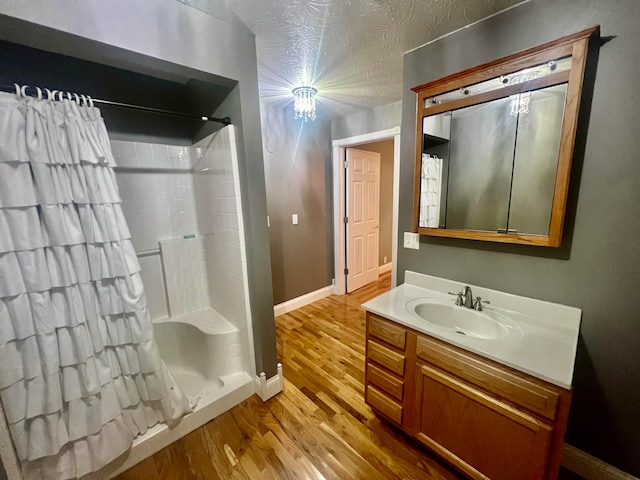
x=304, y=103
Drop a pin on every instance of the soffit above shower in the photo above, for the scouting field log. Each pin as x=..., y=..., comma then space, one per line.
x=187, y=91
x=351, y=50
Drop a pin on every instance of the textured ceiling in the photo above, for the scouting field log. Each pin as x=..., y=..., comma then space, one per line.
x=350, y=50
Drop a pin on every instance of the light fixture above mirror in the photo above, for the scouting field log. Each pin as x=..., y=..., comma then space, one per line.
x=304, y=104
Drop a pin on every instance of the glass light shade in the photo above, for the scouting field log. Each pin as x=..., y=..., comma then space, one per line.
x=304, y=103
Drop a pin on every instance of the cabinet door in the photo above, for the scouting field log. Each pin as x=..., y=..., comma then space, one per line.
x=484, y=437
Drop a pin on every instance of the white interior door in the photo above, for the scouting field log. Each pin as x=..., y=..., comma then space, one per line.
x=363, y=217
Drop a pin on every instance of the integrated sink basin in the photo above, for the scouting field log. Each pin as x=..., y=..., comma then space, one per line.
x=532, y=336
x=487, y=324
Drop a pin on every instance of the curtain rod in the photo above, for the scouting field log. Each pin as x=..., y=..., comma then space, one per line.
x=32, y=92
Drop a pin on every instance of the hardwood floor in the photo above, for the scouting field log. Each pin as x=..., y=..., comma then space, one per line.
x=318, y=428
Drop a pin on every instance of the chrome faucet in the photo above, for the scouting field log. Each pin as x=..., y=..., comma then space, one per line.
x=468, y=297
x=464, y=298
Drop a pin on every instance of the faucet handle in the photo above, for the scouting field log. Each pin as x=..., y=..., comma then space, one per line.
x=478, y=304
x=459, y=299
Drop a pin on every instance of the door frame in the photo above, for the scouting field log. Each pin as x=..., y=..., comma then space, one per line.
x=338, y=156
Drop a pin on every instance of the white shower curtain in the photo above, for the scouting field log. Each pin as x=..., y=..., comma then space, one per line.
x=80, y=372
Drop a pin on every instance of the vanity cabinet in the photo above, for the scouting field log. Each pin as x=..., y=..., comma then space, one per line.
x=486, y=419
x=385, y=367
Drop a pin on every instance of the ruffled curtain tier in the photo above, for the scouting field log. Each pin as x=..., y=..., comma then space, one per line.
x=80, y=371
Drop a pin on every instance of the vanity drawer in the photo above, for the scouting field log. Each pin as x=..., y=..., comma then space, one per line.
x=386, y=357
x=387, y=332
x=381, y=402
x=499, y=380
x=385, y=381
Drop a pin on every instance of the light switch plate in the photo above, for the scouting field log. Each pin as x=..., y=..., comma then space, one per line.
x=411, y=240
x=294, y=219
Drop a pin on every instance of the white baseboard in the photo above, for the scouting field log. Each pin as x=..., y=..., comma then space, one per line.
x=385, y=268
x=266, y=389
x=590, y=467
x=302, y=300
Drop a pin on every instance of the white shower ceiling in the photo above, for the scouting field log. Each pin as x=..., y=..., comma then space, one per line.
x=350, y=50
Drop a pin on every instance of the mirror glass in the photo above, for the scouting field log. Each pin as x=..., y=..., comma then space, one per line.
x=492, y=166
x=536, y=160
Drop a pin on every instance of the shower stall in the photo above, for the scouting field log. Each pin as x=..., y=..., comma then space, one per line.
x=183, y=207
x=184, y=210
x=136, y=226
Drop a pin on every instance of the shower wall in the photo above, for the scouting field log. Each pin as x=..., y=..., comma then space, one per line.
x=219, y=212
x=156, y=187
x=185, y=274
x=170, y=191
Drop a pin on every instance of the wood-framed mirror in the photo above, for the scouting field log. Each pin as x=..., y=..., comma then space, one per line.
x=494, y=146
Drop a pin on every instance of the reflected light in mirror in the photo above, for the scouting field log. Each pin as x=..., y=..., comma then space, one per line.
x=520, y=101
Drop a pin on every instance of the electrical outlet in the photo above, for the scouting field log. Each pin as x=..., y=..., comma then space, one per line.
x=411, y=240
x=294, y=219
x=384, y=260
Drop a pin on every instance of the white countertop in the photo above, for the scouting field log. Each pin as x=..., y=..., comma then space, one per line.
x=546, y=349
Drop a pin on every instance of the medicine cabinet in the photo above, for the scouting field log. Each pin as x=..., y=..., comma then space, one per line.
x=494, y=146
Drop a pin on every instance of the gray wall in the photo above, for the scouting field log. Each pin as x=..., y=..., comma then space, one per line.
x=164, y=38
x=598, y=266
x=371, y=120
x=299, y=181
x=385, y=149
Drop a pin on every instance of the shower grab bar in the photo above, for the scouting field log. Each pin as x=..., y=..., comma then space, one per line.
x=148, y=253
